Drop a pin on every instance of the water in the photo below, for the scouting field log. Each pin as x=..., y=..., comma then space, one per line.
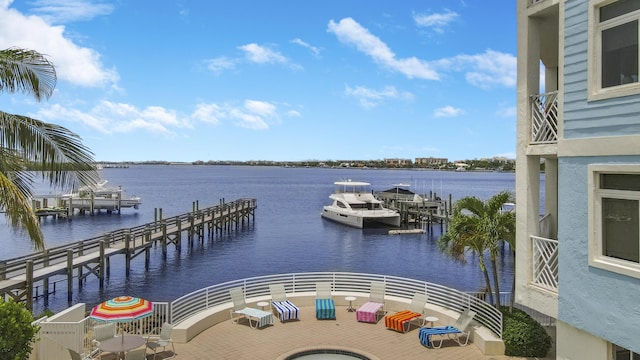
x=288, y=234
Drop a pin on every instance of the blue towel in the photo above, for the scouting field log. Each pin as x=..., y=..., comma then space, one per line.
x=425, y=333
x=325, y=309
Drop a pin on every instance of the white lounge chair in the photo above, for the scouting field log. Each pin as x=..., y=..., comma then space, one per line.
x=325, y=307
x=240, y=307
x=285, y=308
x=401, y=321
x=451, y=332
x=369, y=311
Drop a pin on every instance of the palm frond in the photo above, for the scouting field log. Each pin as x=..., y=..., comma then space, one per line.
x=27, y=71
x=54, y=150
x=18, y=211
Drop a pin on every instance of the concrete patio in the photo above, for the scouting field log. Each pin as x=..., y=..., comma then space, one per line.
x=238, y=341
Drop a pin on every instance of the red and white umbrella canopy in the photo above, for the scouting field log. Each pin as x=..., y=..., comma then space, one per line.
x=122, y=308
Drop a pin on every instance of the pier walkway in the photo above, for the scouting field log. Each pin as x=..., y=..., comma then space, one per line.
x=19, y=276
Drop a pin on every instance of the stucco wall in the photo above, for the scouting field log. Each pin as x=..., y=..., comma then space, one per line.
x=596, y=301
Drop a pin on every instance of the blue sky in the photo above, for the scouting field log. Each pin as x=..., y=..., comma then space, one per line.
x=274, y=80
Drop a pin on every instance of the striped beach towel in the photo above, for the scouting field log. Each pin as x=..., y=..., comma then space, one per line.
x=397, y=320
x=325, y=309
x=368, y=312
x=286, y=310
x=425, y=333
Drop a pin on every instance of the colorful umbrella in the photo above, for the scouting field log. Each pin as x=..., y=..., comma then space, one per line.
x=122, y=308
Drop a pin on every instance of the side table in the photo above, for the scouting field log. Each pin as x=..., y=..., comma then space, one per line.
x=350, y=299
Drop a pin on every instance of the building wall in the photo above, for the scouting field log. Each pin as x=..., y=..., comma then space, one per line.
x=573, y=344
x=582, y=118
x=596, y=301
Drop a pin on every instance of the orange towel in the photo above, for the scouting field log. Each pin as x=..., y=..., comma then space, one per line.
x=397, y=320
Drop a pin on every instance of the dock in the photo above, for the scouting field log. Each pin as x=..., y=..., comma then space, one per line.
x=78, y=260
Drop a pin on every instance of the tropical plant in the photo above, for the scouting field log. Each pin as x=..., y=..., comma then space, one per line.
x=55, y=152
x=479, y=226
x=16, y=330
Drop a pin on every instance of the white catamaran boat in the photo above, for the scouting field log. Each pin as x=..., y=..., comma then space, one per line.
x=99, y=197
x=355, y=205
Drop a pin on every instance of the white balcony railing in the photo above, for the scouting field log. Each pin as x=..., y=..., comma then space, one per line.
x=545, y=263
x=544, y=118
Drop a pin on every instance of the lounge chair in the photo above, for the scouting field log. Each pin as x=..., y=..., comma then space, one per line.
x=454, y=332
x=161, y=341
x=102, y=333
x=285, y=308
x=369, y=311
x=240, y=307
x=325, y=307
x=401, y=321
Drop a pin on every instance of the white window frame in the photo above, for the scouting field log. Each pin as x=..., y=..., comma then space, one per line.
x=594, y=74
x=595, y=194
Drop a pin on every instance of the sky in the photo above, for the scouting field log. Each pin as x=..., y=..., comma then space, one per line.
x=279, y=80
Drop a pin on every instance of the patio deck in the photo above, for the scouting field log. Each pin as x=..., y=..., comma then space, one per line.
x=239, y=341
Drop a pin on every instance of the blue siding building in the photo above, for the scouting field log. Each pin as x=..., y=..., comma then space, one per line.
x=579, y=123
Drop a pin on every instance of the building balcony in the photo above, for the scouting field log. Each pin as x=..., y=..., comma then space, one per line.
x=544, y=119
x=545, y=263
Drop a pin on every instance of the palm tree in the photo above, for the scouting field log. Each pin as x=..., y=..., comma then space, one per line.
x=479, y=226
x=56, y=153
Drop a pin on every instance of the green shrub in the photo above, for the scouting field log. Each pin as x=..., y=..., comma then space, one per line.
x=16, y=331
x=523, y=336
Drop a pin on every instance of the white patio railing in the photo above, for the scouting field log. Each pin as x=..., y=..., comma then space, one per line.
x=446, y=297
x=78, y=335
x=544, y=118
x=545, y=263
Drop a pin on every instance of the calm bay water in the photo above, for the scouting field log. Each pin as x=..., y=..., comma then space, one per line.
x=288, y=234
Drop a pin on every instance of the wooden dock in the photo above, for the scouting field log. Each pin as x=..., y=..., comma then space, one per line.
x=19, y=276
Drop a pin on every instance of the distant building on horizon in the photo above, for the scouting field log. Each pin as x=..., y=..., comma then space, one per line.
x=431, y=162
x=396, y=162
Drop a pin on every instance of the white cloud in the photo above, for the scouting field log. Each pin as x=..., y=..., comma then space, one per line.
x=74, y=64
x=313, y=49
x=437, y=21
x=261, y=55
x=448, y=111
x=350, y=32
x=293, y=113
x=486, y=70
x=220, y=64
x=64, y=11
x=370, y=98
x=253, y=114
x=109, y=118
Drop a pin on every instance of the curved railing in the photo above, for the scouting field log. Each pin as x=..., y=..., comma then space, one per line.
x=343, y=282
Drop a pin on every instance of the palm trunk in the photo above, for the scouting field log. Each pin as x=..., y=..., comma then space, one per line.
x=496, y=281
x=485, y=273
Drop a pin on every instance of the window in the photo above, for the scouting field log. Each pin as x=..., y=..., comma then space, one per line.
x=614, y=213
x=620, y=353
x=614, y=48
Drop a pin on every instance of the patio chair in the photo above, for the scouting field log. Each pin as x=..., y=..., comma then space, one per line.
x=285, y=308
x=325, y=307
x=76, y=356
x=102, y=333
x=161, y=341
x=401, y=321
x=240, y=307
x=451, y=332
x=137, y=354
x=369, y=311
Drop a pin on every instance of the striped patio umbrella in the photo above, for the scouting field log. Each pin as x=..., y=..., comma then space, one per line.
x=122, y=309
